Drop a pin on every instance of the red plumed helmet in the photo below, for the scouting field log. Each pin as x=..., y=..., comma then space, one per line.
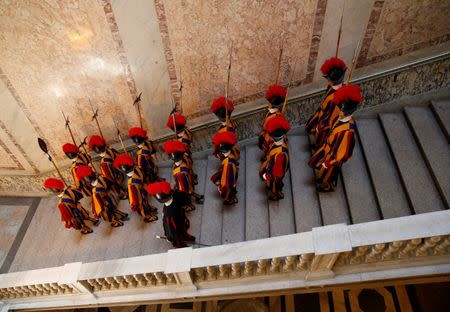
x=277, y=122
x=347, y=93
x=159, y=188
x=220, y=103
x=275, y=90
x=70, y=148
x=174, y=146
x=331, y=63
x=96, y=140
x=123, y=160
x=83, y=172
x=180, y=121
x=52, y=183
x=226, y=137
x=137, y=132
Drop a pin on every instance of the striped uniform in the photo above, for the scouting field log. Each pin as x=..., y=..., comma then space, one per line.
x=265, y=140
x=137, y=194
x=183, y=177
x=146, y=161
x=104, y=203
x=175, y=222
x=111, y=173
x=72, y=212
x=275, y=167
x=81, y=185
x=338, y=148
x=226, y=178
x=222, y=128
x=186, y=138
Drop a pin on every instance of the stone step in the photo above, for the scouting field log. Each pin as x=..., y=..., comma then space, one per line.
x=256, y=210
x=211, y=226
x=441, y=110
x=383, y=171
x=361, y=198
x=434, y=146
x=334, y=206
x=414, y=173
x=195, y=217
x=233, y=224
x=305, y=198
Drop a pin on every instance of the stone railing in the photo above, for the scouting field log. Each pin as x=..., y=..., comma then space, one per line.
x=413, y=246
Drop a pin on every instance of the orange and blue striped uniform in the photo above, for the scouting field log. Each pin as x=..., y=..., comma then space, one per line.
x=104, y=203
x=137, y=194
x=81, y=185
x=226, y=178
x=146, y=162
x=275, y=166
x=265, y=140
x=182, y=175
x=186, y=138
x=72, y=212
x=337, y=149
x=106, y=164
x=222, y=128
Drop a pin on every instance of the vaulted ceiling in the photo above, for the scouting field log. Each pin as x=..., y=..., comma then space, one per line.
x=73, y=54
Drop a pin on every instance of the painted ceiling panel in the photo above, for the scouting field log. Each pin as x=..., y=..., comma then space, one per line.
x=57, y=55
x=201, y=34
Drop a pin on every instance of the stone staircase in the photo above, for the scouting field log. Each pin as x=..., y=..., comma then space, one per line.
x=400, y=166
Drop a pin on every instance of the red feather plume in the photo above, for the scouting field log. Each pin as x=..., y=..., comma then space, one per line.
x=96, y=140
x=174, y=146
x=52, y=183
x=226, y=137
x=123, y=160
x=275, y=90
x=180, y=121
x=220, y=103
x=83, y=172
x=137, y=132
x=158, y=188
x=347, y=93
x=331, y=63
x=70, y=148
x=277, y=122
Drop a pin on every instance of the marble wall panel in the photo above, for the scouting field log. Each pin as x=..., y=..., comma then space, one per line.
x=198, y=35
x=58, y=55
x=397, y=27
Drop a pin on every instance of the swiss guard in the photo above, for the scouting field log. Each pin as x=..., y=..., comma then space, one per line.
x=226, y=178
x=276, y=95
x=177, y=123
x=104, y=203
x=220, y=110
x=182, y=175
x=319, y=124
x=78, y=158
x=108, y=154
x=72, y=212
x=137, y=193
x=145, y=152
x=175, y=222
x=339, y=144
x=276, y=164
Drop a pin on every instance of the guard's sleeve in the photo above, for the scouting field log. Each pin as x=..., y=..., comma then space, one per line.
x=343, y=149
x=107, y=170
x=134, y=197
x=280, y=166
x=182, y=182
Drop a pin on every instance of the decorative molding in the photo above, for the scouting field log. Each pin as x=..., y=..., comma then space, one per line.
x=11, y=155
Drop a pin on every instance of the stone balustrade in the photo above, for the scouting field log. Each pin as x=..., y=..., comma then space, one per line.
x=410, y=246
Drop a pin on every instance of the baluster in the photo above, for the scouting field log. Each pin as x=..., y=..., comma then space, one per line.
x=121, y=281
x=376, y=250
x=199, y=274
x=141, y=280
x=262, y=267
x=170, y=279
x=429, y=242
x=211, y=270
x=393, y=248
x=160, y=278
x=235, y=270
x=360, y=252
x=410, y=246
x=150, y=278
x=248, y=268
x=304, y=261
x=275, y=265
x=112, y=282
x=93, y=283
x=289, y=264
x=343, y=258
x=442, y=247
x=104, y=283
x=223, y=271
